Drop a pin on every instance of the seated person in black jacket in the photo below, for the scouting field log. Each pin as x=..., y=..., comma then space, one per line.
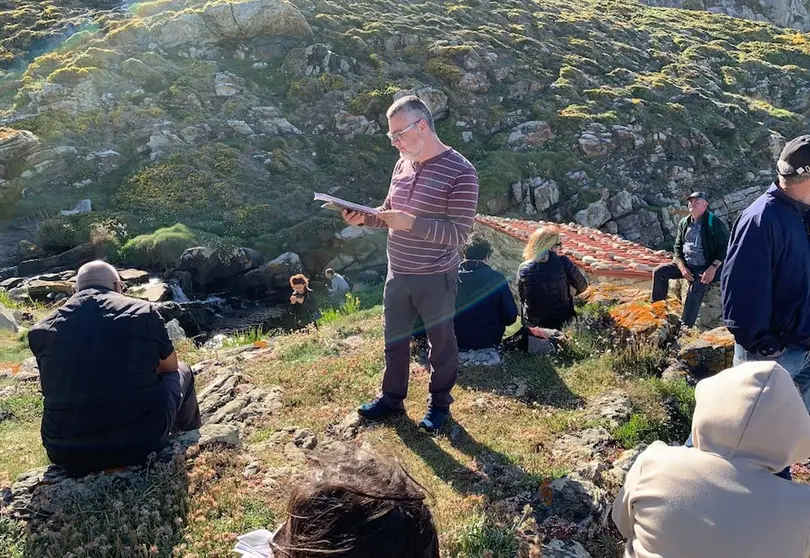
x=484, y=305
x=113, y=387
x=544, y=281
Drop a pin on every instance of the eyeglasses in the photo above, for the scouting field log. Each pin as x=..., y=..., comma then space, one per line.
x=396, y=136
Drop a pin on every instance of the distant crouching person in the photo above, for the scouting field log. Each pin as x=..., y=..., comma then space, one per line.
x=303, y=308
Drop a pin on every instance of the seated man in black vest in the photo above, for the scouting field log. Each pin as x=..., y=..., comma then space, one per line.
x=113, y=387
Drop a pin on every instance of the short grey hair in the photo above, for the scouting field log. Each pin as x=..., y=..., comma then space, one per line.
x=414, y=107
x=96, y=274
x=793, y=180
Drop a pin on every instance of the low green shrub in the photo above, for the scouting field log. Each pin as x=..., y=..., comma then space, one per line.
x=351, y=305
x=589, y=335
x=57, y=234
x=639, y=359
x=370, y=296
x=678, y=399
x=449, y=73
x=640, y=429
x=678, y=402
x=12, y=538
x=23, y=407
x=245, y=337
x=160, y=249
x=481, y=537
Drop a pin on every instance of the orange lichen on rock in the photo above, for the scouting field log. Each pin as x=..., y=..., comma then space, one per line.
x=710, y=353
x=643, y=319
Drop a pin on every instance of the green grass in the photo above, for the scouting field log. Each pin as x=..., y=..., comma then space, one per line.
x=13, y=347
x=496, y=446
x=639, y=359
x=8, y=302
x=350, y=305
x=245, y=337
x=12, y=538
x=25, y=407
x=639, y=429
x=480, y=537
x=21, y=450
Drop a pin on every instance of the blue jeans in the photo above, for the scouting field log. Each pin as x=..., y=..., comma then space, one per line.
x=794, y=359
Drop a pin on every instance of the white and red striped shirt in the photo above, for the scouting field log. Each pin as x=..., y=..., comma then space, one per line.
x=442, y=193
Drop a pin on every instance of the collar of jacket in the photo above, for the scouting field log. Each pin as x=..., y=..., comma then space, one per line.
x=702, y=218
x=467, y=266
x=779, y=194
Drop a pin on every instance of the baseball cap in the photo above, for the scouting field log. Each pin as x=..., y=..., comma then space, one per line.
x=699, y=195
x=795, y=157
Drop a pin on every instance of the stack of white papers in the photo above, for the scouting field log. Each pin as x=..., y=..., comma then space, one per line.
x=256, y=544
x=343, y=204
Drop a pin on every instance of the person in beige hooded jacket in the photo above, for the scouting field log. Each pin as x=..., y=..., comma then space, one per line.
x=721, y=499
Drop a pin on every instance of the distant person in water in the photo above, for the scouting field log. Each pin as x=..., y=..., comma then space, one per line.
x=303, y=308
x=337, y=285
x=112, y=385
x=545, y=280
x=484, y=305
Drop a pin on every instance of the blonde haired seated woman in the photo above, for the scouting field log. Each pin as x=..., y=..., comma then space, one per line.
x=544, y=280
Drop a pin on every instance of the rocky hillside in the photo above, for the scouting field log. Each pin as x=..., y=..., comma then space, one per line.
x=785, y=13
x=225, y=116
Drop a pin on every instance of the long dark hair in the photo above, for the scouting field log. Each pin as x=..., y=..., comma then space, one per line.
x=361, y=506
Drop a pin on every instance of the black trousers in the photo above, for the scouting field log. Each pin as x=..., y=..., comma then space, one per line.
x=694, y=297
x=188, y=412
x=180, y=413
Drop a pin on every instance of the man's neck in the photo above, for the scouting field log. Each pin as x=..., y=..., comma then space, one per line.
x=432, y=149
x=793, y=194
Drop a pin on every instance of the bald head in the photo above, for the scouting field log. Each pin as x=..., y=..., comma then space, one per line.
x=96, y=274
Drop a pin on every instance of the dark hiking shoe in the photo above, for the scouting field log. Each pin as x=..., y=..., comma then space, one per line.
x=377, y=410
x=434, y=419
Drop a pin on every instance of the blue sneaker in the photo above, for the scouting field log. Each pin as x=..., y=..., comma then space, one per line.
x=434, y=419
x=377, y=410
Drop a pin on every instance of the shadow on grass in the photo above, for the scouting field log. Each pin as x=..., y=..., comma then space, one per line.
x=543, y=385
x=492, y=474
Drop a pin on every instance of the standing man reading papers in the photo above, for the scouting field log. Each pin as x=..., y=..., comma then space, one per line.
x=429, y=213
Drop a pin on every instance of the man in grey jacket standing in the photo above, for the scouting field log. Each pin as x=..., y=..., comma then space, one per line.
x=429, y=213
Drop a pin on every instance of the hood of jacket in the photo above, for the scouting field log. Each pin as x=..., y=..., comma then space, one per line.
x=752, y=412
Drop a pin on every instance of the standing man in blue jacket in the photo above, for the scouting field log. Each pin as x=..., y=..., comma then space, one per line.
x=766, y=279
x=484, y=305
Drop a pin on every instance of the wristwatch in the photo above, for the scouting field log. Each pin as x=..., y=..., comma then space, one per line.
x=775, y=353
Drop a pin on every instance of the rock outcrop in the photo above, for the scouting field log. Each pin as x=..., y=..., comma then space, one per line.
x=785, y=13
